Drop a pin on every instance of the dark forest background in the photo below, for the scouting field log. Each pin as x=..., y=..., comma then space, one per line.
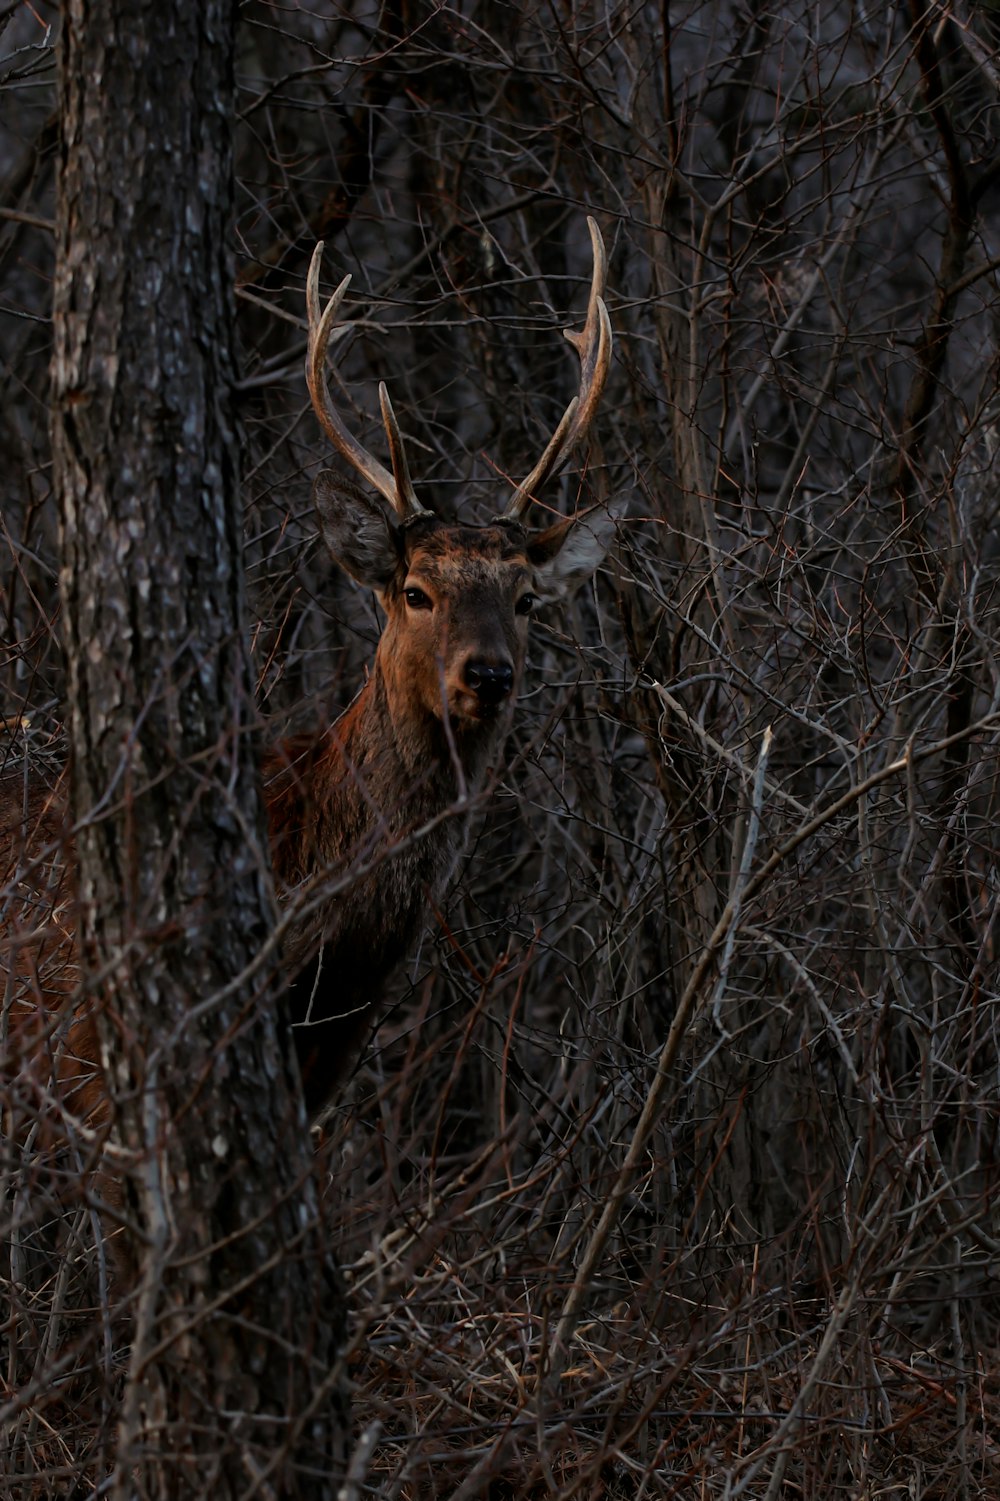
x=723, y=952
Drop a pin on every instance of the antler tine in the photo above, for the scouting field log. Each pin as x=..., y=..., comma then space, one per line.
x=593, y=345
x=396, y=488
x=397, y=455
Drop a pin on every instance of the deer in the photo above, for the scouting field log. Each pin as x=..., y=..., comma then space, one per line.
x=383, y=797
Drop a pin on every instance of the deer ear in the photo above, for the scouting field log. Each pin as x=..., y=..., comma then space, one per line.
x=567, y=553
x=360, y=533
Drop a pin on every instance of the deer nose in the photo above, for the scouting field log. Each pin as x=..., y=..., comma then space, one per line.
x=489, y=682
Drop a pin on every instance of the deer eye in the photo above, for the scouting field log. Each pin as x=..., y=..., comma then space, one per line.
x=418, y=600
x=525, y=604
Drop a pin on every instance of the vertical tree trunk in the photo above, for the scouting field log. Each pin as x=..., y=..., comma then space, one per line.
x=238, y=1314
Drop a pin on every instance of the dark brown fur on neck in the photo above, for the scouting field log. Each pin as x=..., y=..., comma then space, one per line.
x=360, y=811
x=368, y=818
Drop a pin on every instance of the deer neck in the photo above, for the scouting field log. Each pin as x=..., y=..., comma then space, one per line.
x=387, y=723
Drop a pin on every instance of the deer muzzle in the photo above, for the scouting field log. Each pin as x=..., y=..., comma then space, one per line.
x=491, y=682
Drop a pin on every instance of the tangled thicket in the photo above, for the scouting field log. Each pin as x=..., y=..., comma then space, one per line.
x=672, y=1170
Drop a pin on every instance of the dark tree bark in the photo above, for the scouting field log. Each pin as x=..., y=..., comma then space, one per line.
x=238, y=1313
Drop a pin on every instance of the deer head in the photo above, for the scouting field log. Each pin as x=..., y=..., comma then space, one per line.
x=457, y=598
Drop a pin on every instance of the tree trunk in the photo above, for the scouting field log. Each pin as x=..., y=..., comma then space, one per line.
x=238, y=1313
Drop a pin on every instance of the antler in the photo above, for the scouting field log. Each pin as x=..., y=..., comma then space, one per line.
x=397, y=487
x=593, y=346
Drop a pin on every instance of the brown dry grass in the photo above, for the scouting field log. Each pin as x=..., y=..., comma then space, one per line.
x=796, y=1296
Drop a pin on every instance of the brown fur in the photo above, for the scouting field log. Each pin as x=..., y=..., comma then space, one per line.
x=374, y=809
x=44, y=1040
x=366, y=792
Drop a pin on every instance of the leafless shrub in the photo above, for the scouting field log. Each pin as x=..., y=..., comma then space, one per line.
x=673, y=1170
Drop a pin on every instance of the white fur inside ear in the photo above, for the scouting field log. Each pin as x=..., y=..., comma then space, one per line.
x=581, y=551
